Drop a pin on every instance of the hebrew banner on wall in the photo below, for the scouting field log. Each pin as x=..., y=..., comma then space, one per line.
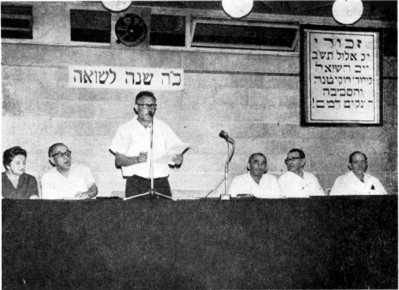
x=340, y=77
x=114, y=77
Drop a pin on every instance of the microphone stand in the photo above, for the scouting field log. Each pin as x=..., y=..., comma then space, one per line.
x=226, y=169
x=226, y=166
x=152, y=193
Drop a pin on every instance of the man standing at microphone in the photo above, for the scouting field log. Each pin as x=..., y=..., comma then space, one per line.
x=131, y=147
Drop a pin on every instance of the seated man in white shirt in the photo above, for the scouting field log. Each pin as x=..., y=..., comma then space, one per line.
x=257, y=181
x=296, y=182
x=356, y=181
x=66, y=180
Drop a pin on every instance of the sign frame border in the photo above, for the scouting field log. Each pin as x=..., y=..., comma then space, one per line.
x=304, y=81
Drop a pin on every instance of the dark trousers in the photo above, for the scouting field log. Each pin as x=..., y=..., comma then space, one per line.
x=137, y=185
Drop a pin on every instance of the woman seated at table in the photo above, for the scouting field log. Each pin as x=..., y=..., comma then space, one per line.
x=15, y=182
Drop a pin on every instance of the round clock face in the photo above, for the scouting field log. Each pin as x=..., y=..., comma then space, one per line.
x=130, y=29
x=237, y=8
x=116, y=6
x=347, y=11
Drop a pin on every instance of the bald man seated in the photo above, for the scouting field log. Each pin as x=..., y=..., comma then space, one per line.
x=356, y=181
x=257, y=182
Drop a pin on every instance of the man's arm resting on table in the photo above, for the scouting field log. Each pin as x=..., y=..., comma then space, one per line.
x=90, y=193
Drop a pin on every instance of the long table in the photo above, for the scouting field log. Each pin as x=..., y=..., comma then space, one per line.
x=330, y=242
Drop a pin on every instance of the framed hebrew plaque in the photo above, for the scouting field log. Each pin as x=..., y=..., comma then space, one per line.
x=340, y=76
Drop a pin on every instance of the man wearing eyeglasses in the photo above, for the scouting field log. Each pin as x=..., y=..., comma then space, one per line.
x=296, y=182
x=357, y=181
x=66, y=180
x=131, y=147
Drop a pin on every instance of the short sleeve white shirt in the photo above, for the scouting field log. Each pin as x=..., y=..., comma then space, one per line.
x=292, y=185
x=57, y=186
x=349, y=184
x=132, y=138
x=244, y=184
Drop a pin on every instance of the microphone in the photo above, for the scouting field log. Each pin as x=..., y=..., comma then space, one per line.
x=226, y=137
x=151, y=113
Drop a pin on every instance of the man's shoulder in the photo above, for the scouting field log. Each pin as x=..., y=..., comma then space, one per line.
x=160, y=123
x=371, y=177
x=286, y=175
x=269, y=176
x=49, y=173
x=346, y=175
x=345, y=178
x=241, y=177
x=309, y=175
x=127, y=125
x=79, y=167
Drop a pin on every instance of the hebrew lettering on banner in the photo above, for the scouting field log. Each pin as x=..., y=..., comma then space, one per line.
x=113, y=77
x=342, y=76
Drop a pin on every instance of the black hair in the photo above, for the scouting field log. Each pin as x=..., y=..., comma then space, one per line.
x=300, y=152
x=354, y=153
x=52, y=147
x=252, y=156
x=145, y=94
x=10, y=153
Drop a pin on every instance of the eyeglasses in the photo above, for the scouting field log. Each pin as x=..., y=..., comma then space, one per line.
x=62, y=154
x=150, y=106
x=292, y=158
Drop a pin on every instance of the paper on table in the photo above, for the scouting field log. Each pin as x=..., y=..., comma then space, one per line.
x=172, y=152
